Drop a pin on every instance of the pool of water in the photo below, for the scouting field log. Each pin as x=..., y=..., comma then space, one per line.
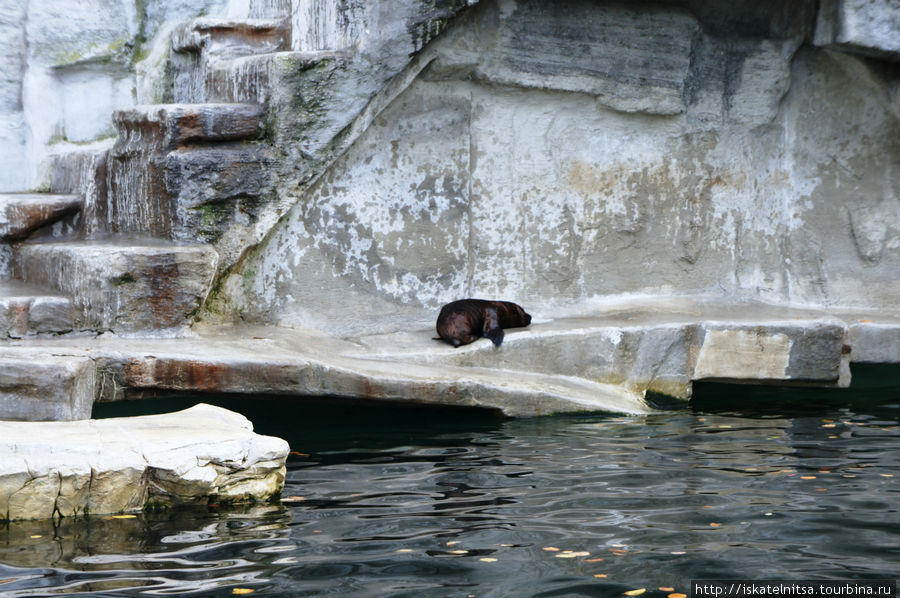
x=747, y=483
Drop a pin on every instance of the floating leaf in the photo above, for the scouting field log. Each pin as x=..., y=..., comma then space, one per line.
x=713, y=524
x=488, y=559
x=404, y=550
x=677, y=595
x=769, y=514
x=665, y=589
x=807, y=477
x=593, y=561
x=636, y=592
x=570, y=554
x=600, y=575
x=240, y=591
x=550, y=548
x=452, y=542
x=678, y=552
x=886, y=475
x=124, y=516
x=292, y=498
x=829, y=425
x=36, y=536
x=459, y=552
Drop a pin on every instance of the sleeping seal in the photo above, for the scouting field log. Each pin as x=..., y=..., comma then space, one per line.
x=464, y=321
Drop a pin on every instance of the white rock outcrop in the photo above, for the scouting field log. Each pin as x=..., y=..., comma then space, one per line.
x=199, y=455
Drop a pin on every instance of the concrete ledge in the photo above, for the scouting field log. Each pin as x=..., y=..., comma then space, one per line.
x=602, y=360
x=37, y=386
x=199, y=455
x=22, y=213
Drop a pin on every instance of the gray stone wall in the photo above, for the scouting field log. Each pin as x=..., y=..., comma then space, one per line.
x=67, y=64
x=566, y=152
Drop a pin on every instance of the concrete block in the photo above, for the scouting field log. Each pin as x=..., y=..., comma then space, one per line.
x=199, y=455
x=123, y=285
x=42, y=387
x=27, y=310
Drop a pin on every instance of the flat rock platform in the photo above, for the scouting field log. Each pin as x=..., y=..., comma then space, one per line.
x=602, y=359
x=200, y=455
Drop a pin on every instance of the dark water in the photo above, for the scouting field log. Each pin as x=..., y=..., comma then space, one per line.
x=747, y=483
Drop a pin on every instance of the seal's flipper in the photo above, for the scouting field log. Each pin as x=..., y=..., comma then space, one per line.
x=492, y=328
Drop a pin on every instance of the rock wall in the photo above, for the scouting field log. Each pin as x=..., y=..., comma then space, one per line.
x=69, y=63
x=563, y=152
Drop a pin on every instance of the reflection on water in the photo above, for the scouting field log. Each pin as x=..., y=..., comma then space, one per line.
x=418, y=503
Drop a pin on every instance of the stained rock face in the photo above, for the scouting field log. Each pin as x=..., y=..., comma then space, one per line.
x=38, y=386
x=199, y=455
x=126, y=285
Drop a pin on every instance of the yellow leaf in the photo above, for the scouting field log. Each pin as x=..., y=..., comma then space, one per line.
x=550, y=548
x=124, y=516
x=715, y=525
x=807, y=477
x=664, y=589
x=677, y=595
x=593, y=561
x=637, y=592
x=600, y=575
x=240, y=591
x=35, y=536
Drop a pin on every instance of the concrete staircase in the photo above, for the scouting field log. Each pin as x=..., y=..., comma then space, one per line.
x=124, y=242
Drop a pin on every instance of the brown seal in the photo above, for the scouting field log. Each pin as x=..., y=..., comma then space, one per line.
x=464, y=321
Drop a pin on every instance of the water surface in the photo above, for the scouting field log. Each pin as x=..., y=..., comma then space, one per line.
x=747, y=483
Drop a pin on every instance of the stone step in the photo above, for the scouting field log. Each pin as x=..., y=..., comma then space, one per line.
x=123, y=284
x=161, y=127
x=188, y=194
x=23, y=213
x=28, y=309
x=225, y=39
x=171, y=158
x=82, y=169
x=249, y=78
x=38, y=385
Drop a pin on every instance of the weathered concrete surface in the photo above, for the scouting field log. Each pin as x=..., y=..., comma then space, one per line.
x=864, y=26
x=38, y=385
x=22, y=213
x=199, y=455
x=754, y=167
x=27, y=309
x=123, y=284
